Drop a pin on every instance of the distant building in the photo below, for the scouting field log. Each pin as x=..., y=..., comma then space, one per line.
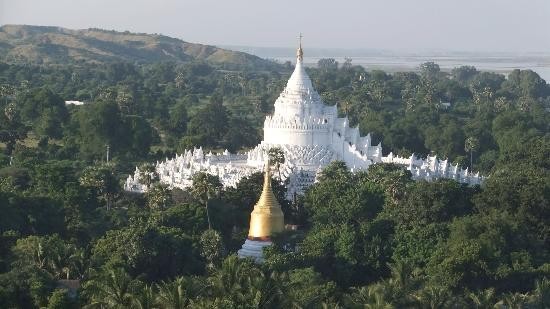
x=311, y=136
x=74, y=103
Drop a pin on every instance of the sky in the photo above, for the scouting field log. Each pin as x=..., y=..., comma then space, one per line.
x=517, y=26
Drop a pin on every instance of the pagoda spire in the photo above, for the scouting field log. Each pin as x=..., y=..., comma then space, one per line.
x=267, y=216
x=300, y=52
x=266, y=219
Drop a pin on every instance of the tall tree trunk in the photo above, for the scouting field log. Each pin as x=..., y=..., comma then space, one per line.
x=208, y=215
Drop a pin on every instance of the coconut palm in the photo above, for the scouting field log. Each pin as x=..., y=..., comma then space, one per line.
x=330, y=305
x=233, y=279
x=514, y=301
x=483, y=299
x=148, y=174
x=67, y=262
x=402, y=275
x=541, y=294
x=145, y=299
x=269, y=291
x=204, y=187
x=471, y=144
x=374, y=296
x=433, y=298
x=172, y=294
x=115, y=290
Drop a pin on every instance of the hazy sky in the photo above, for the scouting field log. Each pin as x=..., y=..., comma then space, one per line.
x=464, y=25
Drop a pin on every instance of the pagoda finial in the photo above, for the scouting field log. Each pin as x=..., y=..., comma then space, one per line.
x=267, y=176
x=300, y=52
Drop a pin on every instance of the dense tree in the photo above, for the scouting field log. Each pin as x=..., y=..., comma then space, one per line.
x=429, y=70
x=327, y=64
x=155, y=252
x=433, y=202
x=99, y=125
x=101, y=178
x=51, y=254
x=178, y=118
x=60, y=299
x=205, y=186
x=210, y=122
x=158, y=197
x=212, y=248
x=464, y=74
x=276, y=157
x=114, y=289
x=365, y=239
x=12, y=128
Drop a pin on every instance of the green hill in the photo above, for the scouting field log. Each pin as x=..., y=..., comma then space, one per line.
x=55, y=45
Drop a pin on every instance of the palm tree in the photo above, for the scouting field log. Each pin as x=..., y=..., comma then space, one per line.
x=269, y=291
x=66, y=259
x=145, y=299
x=182, y=292
x=541, y=294
x=471, y=144
x=276, y=156
x=148, y=174
x=402, y=275
x=483, y=299
x=433, y=298
x=374, y=296
x=114, y=290
x=172, y=294
x=514, y=301
x=401, y=284
x=204, y=187
x=330, y=305
x=233, y=279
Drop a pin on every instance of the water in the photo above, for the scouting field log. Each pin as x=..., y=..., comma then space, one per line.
x=396, y=61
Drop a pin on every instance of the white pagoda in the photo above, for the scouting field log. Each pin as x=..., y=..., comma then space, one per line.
x=311, y=136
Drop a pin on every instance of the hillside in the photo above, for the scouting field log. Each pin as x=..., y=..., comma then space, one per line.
x=55, y=45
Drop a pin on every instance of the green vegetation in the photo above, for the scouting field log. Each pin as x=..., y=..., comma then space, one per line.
x=375, y=239
x=55, y=45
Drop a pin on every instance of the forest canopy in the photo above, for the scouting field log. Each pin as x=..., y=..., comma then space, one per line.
x=366, y=238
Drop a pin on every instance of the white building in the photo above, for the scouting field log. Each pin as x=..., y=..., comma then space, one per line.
x=77, y=103
x=311, y=135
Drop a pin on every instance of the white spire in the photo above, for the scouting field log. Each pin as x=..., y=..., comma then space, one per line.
x=299, y=80
x=300, y=52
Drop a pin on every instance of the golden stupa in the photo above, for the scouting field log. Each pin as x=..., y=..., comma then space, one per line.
x=267, y=217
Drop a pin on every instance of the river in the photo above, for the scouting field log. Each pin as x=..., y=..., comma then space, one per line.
x=395, y=61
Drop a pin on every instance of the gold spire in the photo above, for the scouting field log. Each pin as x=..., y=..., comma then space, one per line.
x=300, y=52
x=267, y=217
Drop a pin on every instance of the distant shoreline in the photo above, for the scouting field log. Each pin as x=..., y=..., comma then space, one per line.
x=408, y=61
x=395, y=64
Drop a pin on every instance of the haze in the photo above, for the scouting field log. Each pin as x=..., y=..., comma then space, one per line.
x=404, y=25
